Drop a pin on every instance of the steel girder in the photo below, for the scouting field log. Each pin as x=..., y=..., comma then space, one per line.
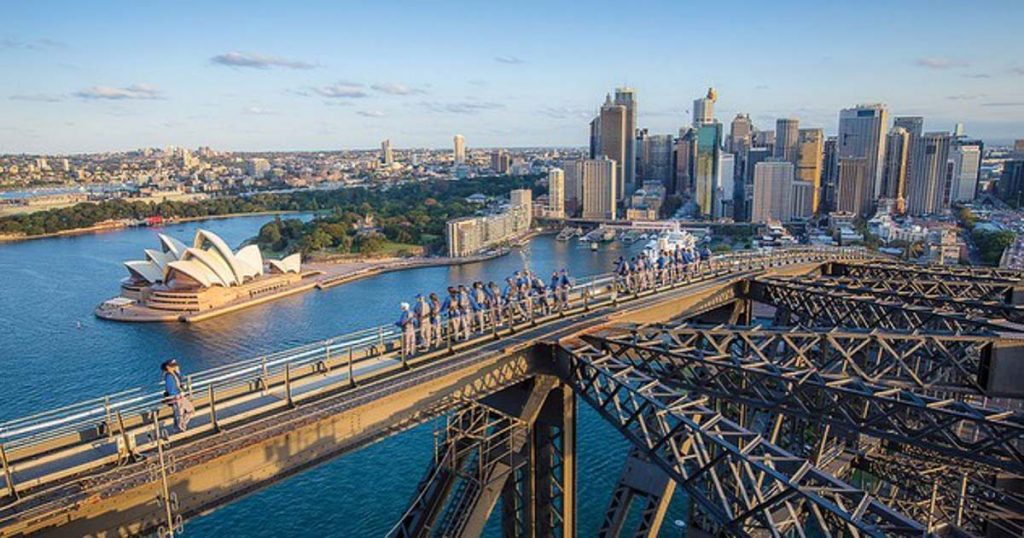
x=941, y=494
x=478, y=447
x=889, y=291
x=811, y=306
x=736, y=476
x=740, y=372
x=924, y=362
x=905, y=271
x=934, y=286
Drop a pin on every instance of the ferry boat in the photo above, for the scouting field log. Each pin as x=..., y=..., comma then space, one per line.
x=670, y=240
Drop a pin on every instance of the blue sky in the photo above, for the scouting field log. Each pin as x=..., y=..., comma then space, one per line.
x=94, y=76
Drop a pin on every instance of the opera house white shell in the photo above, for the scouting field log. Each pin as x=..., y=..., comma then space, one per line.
x=207, y=263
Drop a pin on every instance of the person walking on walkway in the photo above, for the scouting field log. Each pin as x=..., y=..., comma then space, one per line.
x=422, y=311
x=435, y=318
x=175, y=396
x=478, y=301
x=406, y=322
x=464, y=311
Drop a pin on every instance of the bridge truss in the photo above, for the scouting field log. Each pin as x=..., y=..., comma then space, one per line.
x=874, y=404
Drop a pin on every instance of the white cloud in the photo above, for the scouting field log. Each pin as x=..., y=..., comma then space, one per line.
x=462, y=107
x=396, y=89
x=258, y=61
x=939, y=63
x=259, y=111
x=341, y=90
x=135, y=91
x=371, y=113
x=509, y=60
x=38, y=97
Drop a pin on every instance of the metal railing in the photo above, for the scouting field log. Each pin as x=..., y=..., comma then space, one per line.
x=106, y=416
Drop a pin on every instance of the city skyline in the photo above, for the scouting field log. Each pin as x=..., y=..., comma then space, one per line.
x=252, y=77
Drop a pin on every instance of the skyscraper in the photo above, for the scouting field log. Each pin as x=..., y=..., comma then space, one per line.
x=387, y=157
x=914, y=126
x=556, y=192
x=682, y=172
x=460, y=149
x=829, y=175
x=787, y=139
x=704, y=109
x=773, y=192
x=854, y=193
x=894, y=174
x=655, y=159
x=810, y=152
x=573, y=173
x=862, y=136
x=500, y=161
x=1011, y=184
x=522, y=199
x=612, y=135
x=725, y=185
x=926, y=187
x=966, y=158
x=600, y=191
x=705, y=166
x=754, y=156
x=626, y=97
x=740, y=131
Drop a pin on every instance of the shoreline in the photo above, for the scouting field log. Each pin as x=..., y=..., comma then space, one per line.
x=101, y=228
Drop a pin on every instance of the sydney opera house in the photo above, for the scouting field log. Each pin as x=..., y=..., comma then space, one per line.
x=178, y=279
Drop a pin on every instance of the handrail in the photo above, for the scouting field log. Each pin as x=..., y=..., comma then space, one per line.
x=92, y=413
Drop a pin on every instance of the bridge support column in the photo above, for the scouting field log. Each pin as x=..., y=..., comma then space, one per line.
x=554, y=449
x=640, y=479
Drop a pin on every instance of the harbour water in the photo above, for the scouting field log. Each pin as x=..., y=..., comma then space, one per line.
x=53, y=351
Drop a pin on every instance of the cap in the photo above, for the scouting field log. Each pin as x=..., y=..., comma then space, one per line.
x=405, y=306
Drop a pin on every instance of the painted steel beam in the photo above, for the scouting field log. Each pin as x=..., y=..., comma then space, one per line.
x=906, y=271
x=795, y=386
x=810, y=306
x=888, y=291
x=738, y=478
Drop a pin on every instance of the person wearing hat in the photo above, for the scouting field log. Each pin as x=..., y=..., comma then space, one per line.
x=408, y=327
x=435, y=318
x=175, y=396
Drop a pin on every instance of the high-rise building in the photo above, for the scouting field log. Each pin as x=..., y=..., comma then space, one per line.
x=501, y=161
x=1018, y=145
x=626, y=97
x=683, y=153
x=387, y=157
x=914, y=126
x=522, y=199
x=740, y=131
x=894, y=174
x=763, y=139
x=600, y=191
x=862, y=136
x=787, y=139
x=725, y=186
x=926, y=186
x=573, y=173
x=705, y=166
x=612, y=137
x=966, y=159
x=753, y=156
x=810, y=152
x=1010, y=187
x=854, y=193
x=803, y=200
x=460, y=149
x=655, y=159
x=556, y=193
x=704, y=109
x=829, y=175
x=773, y=192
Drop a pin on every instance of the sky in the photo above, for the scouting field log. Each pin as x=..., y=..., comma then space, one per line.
x=258, y=76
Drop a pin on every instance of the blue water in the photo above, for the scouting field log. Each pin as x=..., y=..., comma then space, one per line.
x=53, y=351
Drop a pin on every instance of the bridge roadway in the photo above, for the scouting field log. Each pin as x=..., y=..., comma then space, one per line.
x=113, y=479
